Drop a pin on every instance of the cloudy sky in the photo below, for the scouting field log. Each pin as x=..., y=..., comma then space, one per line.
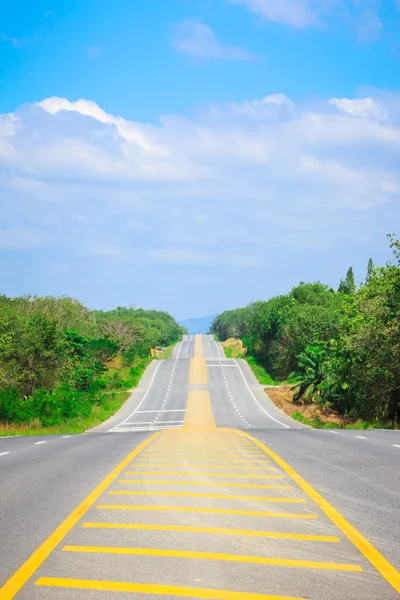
x=194, y=155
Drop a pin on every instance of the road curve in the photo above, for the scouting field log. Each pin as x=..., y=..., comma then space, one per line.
x=199, y=487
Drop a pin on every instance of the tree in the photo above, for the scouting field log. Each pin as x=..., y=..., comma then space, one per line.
x=370, y=271
x=348, y=285
x=312, y=372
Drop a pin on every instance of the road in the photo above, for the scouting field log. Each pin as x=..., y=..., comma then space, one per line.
x=200, y=487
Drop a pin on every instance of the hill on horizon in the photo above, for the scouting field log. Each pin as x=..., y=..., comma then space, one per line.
x=198, y=325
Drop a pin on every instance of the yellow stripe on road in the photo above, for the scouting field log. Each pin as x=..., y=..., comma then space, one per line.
x=157, y=590
x=247, y=467
x=221, y=511
x=198, y=372
x=24, y=573
x=208, y=483
x=198, y=412
x=198, y=347
x=219, y=530
x=209, y=474
x=148, y=462
x=380, y=563
x=213, y=496
x=258, y=560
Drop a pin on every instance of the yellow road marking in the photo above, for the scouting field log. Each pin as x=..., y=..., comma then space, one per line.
x=198, y=347
x=223, y=511
x=220, y=530
x=380, y=563
x=191, y=473
x=211, y=467
x=208, y=483
x=21, y=576
x=213, y=496
x=158, y=590
x=148, y=462
x=198, y=411
x=198, y=371
x=259, y=560
x=191, y=451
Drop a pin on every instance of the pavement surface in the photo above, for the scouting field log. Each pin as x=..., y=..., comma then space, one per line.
x=200, y=487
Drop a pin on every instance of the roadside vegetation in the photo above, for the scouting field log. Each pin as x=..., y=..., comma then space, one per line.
x=340, y=349
x=64, y=368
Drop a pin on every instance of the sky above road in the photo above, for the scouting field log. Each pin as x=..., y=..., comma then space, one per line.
x=195, y=155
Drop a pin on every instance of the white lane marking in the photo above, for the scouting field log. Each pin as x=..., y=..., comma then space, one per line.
x=257, y=402
x=179, y=350
x=43, y=442
x=159, y=422
x=65, y=436
x=6, y=437
x=360, y=437
x=224, y=366
x=4, y=453
x=329, y=432
x=162, y=411
x=142, y=400
x=140, y=423
x=395, y=445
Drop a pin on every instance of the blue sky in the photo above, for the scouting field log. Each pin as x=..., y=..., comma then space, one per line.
x=195, y=155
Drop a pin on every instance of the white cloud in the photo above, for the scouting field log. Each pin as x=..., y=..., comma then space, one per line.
x=237, y=184
x=191, y=257
x=19, y=237
x=14, y=41
x=291, y=12
x=361, y=16
x=365, y=108
x=199, y=40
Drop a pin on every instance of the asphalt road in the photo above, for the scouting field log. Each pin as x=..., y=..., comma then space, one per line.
x=201, y=510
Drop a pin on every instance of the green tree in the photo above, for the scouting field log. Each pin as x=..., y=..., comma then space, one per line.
x=370, y=271
x=348, y=285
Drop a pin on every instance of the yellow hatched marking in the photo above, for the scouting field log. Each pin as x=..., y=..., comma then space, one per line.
x=211, y=474
x=208, y=483
x=219, y=530
x=208, y=468
x=147, y=462
x=157, y=590
x=380, y=563
x=190, y=451
x=25, y=572
x=222, y=511
x=259, y=560
x=213, y=496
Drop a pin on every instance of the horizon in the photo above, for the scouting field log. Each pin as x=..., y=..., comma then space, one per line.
x=195, y=157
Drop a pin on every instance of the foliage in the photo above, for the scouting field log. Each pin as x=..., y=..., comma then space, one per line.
x=344, y=347
x=348, y=285
x=55, y=355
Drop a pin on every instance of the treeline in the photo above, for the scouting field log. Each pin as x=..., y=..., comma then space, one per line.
x=342, y=347
x=55, y=352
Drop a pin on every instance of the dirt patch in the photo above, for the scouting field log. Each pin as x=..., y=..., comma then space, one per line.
x=235, y=347
x=282, y=396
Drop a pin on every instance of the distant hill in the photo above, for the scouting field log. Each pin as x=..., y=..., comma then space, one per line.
x=199, y=325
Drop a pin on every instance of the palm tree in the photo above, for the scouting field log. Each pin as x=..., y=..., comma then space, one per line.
x=312, y=367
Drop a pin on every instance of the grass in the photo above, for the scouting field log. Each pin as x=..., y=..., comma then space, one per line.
x=316, y=423
x=168, y=351
x=259, y=371
x=98, y=415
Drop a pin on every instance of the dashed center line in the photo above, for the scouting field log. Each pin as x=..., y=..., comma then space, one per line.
x=42, y=442
x=4, y=453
